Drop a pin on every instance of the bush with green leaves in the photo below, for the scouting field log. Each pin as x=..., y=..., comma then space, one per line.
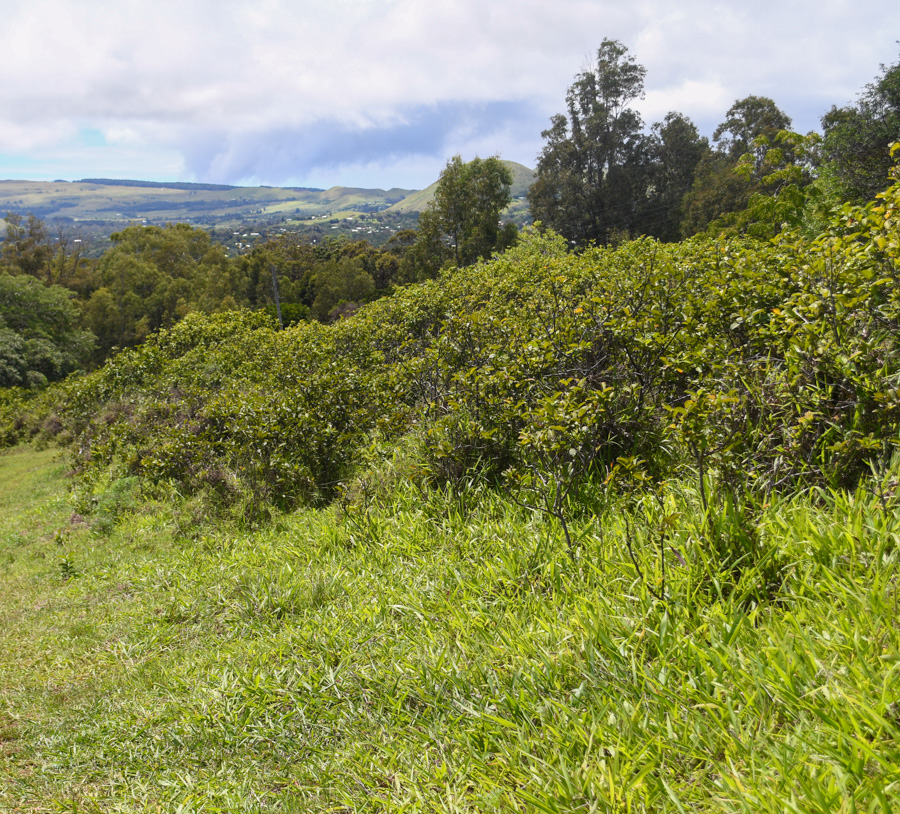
x=765, y=366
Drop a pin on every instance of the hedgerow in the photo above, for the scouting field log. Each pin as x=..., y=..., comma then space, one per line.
x=772, y=365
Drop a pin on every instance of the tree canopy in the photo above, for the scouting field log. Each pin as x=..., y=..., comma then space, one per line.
x=40, y=338
x=589, y=174
x=462, y=223
x=858, y=137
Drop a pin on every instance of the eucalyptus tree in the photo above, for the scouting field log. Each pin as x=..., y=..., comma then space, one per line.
x=592, y=174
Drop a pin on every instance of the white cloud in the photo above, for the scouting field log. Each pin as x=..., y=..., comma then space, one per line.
x=215, y=82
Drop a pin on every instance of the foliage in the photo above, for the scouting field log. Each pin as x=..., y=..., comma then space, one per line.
x=26, y=249
x=601, y=178
x=152, y=277
x=40, y=340
x=857, y=138
x=340, y=281
x=772, y=187
x=676, y=152
x=588, y=169
x=324, y=280
x=737, y=186
x=747, y=120
x=463, y=220
x=771, y=366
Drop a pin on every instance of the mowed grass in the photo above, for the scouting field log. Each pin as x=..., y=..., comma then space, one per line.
x=437, y=652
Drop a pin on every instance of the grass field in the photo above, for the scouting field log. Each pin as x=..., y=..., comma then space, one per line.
x=432, y=652
x=120, y=204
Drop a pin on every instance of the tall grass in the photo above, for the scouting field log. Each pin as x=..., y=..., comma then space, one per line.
x=440, y=651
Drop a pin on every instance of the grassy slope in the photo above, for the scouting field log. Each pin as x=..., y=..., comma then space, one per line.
x=417, y=201
x=123, y=204
x=434, y=653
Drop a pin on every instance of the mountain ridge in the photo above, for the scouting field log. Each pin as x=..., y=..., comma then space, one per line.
x=121, y=201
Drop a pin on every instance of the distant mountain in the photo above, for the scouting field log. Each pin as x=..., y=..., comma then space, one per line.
x=117, y=182
x=94, y=200
x=417, y=201
x=110, y=204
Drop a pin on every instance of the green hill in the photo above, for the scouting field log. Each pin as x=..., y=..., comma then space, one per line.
x=522, y=180
x=120, y=202
x=106, y=205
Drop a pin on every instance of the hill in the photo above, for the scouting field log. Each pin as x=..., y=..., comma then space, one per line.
x=114, y=203
x=117, y=202
x=238, y=216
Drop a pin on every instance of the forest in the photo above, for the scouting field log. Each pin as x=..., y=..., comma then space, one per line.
x=596, y=515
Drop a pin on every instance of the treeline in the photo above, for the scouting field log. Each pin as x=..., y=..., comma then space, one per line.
x=602, y=178
x=186, y=185
x=151, y=278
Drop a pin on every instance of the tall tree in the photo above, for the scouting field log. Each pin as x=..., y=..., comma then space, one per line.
x=463, y=220
x=750, y=128
x=858, y=137
x=676, y=148
x=592, y=173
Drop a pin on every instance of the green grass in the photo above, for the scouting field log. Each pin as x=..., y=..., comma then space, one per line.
x=440, y=653
x=122, y=204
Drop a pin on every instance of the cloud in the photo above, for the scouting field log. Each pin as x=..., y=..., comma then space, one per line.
x=290, y=154
x=288, y=90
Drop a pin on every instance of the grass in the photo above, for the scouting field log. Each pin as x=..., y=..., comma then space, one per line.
x=122, y=204
x=441, y=653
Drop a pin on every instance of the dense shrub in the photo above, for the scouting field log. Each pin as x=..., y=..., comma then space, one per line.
x=771, y=364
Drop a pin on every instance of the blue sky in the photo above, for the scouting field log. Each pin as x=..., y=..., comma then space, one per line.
x=382, y=92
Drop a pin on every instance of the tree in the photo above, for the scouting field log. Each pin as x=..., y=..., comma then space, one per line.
x=39, y=336
x=676, y=149
x=152, y=277
x=717, y=190
x=857, y=139
x=592, y=173
x=26, y=249
x=463, y=220
x=746, y=120
x=751, y=128
x=340, y=281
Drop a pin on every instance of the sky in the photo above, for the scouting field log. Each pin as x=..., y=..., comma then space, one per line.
x=381, y=93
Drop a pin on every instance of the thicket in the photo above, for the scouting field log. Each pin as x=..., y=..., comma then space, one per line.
x=601, y=177
x=759, y=367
